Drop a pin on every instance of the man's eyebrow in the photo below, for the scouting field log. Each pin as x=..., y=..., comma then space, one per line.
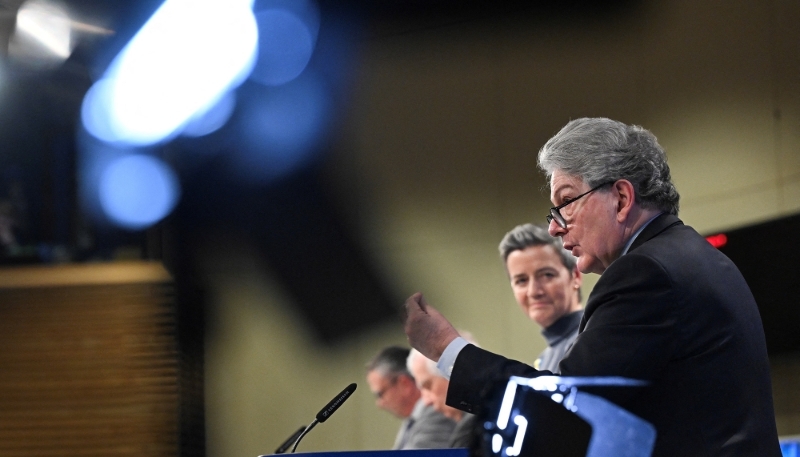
x=567, y=185
x=556, y=194
x=562, y=189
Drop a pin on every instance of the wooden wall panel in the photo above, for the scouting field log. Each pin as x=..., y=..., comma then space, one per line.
x=88, y=368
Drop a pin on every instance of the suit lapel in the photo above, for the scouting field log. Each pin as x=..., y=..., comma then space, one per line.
x=658, y=225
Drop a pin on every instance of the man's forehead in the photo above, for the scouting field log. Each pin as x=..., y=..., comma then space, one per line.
x=417, y=367
x=376, y=377
x=422, y=377
x=561, y=182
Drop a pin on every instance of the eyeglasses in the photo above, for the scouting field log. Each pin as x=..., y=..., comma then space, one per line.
x=555, y=212
x=379, y=394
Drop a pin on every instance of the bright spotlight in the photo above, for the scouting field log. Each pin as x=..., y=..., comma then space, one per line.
x=42, y=37
x=211, y=120
x=180, y=64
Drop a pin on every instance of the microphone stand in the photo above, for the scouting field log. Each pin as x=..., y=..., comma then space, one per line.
x=326, y=412
x=289, y=441
x=310, y=426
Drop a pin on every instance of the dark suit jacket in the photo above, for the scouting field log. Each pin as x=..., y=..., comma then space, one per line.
x=677, y=313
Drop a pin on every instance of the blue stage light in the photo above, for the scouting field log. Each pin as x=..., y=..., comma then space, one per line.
x=182, y=61
x=292, y=116
x=93, y=112
x=137, y=191
x=285, y=45
x=213, y=119
x=790, y=447
x=281, y=128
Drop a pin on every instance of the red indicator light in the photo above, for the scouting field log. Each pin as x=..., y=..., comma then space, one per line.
x=717, y=240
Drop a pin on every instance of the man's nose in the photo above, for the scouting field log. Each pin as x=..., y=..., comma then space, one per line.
x=554, y=229
x=533, y=288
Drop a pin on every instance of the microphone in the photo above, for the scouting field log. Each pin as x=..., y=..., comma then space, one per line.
x=327, y=411
x=334, y=404
x=288, y=443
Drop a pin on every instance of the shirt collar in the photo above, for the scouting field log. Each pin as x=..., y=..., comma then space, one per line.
x=419, y=408
x=630, y=241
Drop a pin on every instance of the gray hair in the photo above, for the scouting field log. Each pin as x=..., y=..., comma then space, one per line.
x=430, y=365
x=600, y=150
x=526, y=235
x=390, y=361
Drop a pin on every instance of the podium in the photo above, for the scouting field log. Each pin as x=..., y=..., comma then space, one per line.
x=547, y=416
x=457, y=452
x=557, y=416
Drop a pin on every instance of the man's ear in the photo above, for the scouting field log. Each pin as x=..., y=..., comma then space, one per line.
x=626, y=198
x=577, y=276
x=406, y=384
x=406, y=381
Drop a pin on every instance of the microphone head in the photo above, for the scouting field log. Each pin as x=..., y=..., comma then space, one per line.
x=334, y=404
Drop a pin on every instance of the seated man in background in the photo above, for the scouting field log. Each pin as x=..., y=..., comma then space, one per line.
x=396, y=391
x=547, y=286
x=434, y=393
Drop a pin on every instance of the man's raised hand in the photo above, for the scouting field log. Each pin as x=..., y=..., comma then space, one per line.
x=428, y=331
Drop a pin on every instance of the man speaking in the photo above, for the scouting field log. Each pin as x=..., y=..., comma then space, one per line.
x=668, y=309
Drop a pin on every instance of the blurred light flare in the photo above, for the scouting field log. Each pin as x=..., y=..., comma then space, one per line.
x=137, y=191
x=47, y=23
x=181, y=63
x=42, y=35
x=285, y=46
x=293, y=115
x=213, y=119
x=179, y=76
x=93, y=115
x=281, y=128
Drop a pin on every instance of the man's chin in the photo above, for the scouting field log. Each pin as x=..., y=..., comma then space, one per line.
x=586, y=264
